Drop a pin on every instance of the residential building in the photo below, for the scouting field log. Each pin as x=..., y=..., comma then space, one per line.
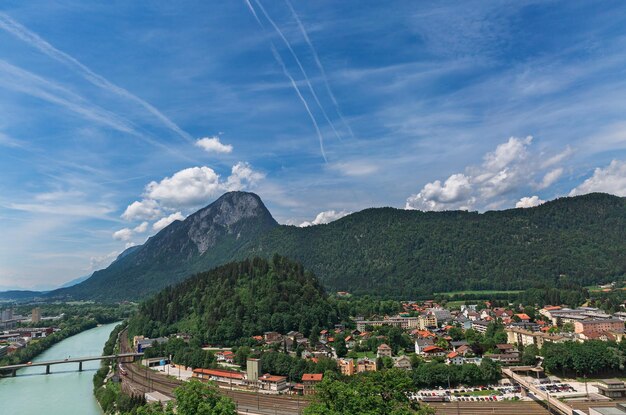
x=365, y=365
x=402, y=362
x=433, y=351
x=598, y=325
x=454, y=358
x=480, y=325
x=426, y=321
x=397, y=321
x=346, y=366
x=421, y=343
x=272, y=337
x=505, y=358
x=384, y=350
x=309, y=381
x=527, y=338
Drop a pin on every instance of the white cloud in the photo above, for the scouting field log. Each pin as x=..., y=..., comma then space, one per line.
x=141, y=228
x=528, y=202
x=325, y=217
x=100, y=262
x=551, y=177
x=213, y=145
x=123, y=234
x=611, y=179
x=509, y=168
x=186, y=188
x=453, y=194
x=355, y=168
x=163, y=222
x=242, y=177
x=146, y=209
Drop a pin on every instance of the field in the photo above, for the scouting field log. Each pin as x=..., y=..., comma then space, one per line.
x=485, y=292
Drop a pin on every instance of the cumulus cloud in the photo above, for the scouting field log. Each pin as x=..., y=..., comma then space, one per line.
x=325, y=217
x=141, y=228
x=188, y=187
x=551, y=177
x=163, y=222
x=242, y=177
x=528, y=202
x=509, y=168
x=213, y=145
x=611, y=179
x=123, y=234
x=147, y=209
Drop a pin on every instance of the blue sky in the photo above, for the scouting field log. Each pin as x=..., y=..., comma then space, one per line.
x=118, y=117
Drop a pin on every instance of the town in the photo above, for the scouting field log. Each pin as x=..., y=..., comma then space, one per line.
x=474, y=352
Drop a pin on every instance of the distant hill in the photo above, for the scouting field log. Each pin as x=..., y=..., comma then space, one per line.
x=20, y=295
x=385, y=251
x=238, y=300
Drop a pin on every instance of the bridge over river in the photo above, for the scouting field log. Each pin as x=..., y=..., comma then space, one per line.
x=12, y=369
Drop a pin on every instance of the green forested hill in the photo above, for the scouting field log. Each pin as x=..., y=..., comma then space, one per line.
x=238, y=300
x=389, y=252
x=404, y=253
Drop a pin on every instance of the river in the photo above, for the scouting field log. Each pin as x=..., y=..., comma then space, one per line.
x=63, y=392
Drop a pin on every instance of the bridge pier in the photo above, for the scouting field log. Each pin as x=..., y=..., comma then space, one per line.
x=47, y=369
x=13, y=373
x=80, y=366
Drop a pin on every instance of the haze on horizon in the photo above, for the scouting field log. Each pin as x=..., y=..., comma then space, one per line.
x=119, y=118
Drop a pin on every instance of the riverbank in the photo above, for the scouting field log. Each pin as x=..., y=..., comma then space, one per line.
x=36, y=347
x=65, y=391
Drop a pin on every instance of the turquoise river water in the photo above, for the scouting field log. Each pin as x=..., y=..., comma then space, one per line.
x=63, y=392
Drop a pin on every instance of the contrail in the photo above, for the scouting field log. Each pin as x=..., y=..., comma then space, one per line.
x=320, y=67
x=293, y=83
x=306, y=106
x=21, y=32
x=295, y=57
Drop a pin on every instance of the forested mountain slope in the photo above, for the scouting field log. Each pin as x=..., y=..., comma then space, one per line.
x=238, y=300
x=385, y=251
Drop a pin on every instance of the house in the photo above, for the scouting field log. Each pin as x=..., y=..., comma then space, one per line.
x=454, y=358
x=272, y=337
x=273, y=383
x=383, y=351
x=457, y=344
x=323, y=334
x=346, y=366
x=464, y=350
x=225, y=356
x=598, y=325
x=421, y=343
x=523, y=317
x=350, y=342
x=433, y=351
x=402, y=362
x=365, y=365
x=506, y=358
x=506, y=348
x=309, y=381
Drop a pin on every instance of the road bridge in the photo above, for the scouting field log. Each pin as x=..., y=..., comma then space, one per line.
x=554, y=405
x=14, y=368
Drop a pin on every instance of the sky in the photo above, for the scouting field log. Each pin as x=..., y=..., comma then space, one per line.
x=117, y=117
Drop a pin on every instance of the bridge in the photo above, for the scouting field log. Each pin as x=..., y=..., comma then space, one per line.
x=554, y=405
x=14, y=368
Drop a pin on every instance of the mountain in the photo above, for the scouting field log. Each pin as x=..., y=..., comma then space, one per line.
x=20, y=295
x=75, y=281
x=210, y=237
x=238, y=300
x=386, y=251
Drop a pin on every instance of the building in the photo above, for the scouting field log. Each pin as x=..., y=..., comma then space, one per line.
x=365, y=365
x=6, y=315
x=421, y=343
x=272, y=383
x=398, y=321
x=346, y=366
x=433, y=351
x=272, y=337
x=480, y=325
x=310, y=381
x=612, y=388
x=252, y=369
x=619, y=409
x=3, y=351
x=527, y=338
x=230, y=377
x=426, y=320
x=505, y=358
x=402, y=362
x=384, y=350
x=598, y=325
x=155, y=396
x=454, y=358
x=36, y=315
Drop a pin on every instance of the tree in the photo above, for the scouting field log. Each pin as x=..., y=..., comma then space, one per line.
x=529, y=356
x=367, y=393
x=197, y=398
x=340, y=347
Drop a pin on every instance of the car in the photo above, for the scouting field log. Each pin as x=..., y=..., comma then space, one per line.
x=29, y=363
